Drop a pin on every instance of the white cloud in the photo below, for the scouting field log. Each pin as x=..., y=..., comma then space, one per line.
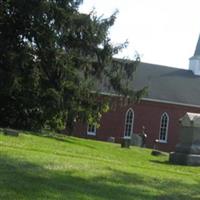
x=164, y=32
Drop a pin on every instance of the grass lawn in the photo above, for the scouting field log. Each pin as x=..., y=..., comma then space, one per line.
x=60, y=167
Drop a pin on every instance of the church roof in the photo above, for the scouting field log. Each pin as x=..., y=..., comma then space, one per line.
x=168, y=84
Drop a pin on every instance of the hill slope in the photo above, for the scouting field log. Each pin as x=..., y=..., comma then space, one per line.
x=59, y=167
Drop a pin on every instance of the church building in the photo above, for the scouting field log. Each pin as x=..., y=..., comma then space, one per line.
x=171, y=93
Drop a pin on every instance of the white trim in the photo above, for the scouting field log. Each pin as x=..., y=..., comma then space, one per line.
x=171, y=102
x=155, y=100
x=166, y=136
x=108, y=94
x=128, y=137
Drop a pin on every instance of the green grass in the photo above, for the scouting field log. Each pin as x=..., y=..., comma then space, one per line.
x=60, y=167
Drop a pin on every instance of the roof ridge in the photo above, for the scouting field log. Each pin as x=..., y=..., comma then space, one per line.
x=159, y=65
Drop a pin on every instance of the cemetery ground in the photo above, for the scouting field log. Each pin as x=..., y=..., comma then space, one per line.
x=51, y=166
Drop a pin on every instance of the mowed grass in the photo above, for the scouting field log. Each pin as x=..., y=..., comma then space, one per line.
x=61, y=167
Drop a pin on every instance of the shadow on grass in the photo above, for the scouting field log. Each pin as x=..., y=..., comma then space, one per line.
x=60, y=137
x=24, y=180
x=165, y=162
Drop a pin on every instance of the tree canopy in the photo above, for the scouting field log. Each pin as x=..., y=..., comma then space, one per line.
x=50, y=56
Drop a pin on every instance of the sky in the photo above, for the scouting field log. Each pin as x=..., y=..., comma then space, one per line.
x=162, y=31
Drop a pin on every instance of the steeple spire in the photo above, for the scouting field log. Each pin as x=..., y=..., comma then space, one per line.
x=197, y=50
x=194, y=64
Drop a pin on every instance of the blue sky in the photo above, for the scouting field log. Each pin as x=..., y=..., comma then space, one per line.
x=161, y=31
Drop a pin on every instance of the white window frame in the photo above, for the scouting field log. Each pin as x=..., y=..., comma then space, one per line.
x=89, y=129
x=162, y=126
x=131, y=124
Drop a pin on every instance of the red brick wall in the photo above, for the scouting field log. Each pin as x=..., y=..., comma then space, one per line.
x=148, y=114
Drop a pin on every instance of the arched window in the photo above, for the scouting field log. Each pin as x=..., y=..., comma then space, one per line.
x=91, y=129
x=164, y=123
x=128, y=123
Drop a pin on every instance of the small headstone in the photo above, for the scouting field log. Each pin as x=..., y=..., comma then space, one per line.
x=11, y=132
x=111, y=139
x=125, y=143
x=187, y=151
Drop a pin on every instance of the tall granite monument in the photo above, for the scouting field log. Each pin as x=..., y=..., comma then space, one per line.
x=187, y=151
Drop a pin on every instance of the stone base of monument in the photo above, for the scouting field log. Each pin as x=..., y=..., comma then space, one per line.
x=184, y=159
x=187, y=151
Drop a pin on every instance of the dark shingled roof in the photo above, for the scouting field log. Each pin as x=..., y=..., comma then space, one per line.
x=168, y=84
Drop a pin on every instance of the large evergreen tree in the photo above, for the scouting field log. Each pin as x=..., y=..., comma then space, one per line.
x=50, y=57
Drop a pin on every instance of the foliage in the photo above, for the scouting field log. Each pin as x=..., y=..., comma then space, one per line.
x=59, y=167
x=51, y=56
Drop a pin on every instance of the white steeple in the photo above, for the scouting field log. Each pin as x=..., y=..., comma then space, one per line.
x=194, y=64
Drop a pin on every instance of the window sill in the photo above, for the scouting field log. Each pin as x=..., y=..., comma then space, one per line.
x=91, y=133
x=126, y=137
x=162, y=141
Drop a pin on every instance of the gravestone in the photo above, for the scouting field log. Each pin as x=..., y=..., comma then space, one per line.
x=136, y=140
x=11, y=132
x=125, y=142
x=1, y=130
x=111, y=139
x=187, y=151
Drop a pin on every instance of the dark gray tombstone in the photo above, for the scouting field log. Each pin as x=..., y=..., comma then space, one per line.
x=11, y=132
x=126, y=142
x=187, y=151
